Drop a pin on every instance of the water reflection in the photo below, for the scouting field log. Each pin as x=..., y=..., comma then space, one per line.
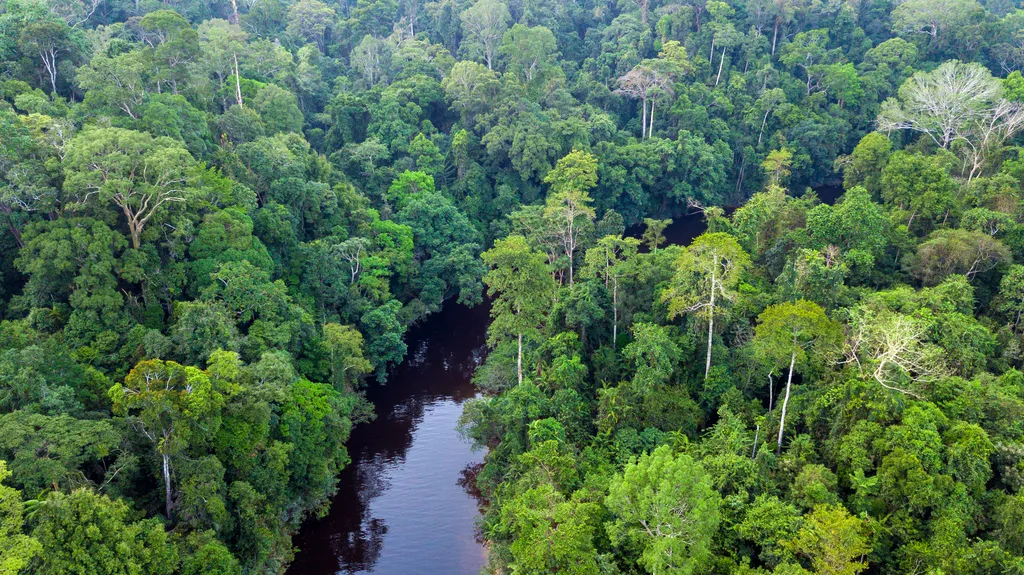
x=403, y=506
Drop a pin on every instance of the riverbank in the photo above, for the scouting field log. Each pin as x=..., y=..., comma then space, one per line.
x=402, y=505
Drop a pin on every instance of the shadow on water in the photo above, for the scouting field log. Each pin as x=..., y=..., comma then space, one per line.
x=404, y=505
x=685, y=229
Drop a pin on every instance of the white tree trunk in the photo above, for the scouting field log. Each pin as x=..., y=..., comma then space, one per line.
x=519, y=359
x=643, y=122
x=650, y=128
x=167, y=484
x=711, y=325
x=238, y=81
x=764, y=122
x=721, y=63
x=615, y=312
x=50, y=62
x=785, y=402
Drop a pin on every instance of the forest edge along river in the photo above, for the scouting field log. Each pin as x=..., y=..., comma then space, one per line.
x=404, y=504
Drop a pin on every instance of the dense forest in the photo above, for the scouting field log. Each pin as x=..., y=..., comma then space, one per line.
x=219, y=219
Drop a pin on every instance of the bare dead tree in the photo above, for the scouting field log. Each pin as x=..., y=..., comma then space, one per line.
x=646, y=84
x=891, y=348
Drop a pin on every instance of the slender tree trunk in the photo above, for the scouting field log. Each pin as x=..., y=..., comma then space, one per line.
x=742, y=174
x=721, y=64
x=650, y=127
x=615, y=312
x=764, y=122
x=785, y=402
x=775, y=35
x=51, y=70
x=711, y=58
x=238, y=81
x=571, y=247
x=17, y=235
x=711, y=325
x=519, y=359
x=234, y=9
x=643, y=122
x=167, y=484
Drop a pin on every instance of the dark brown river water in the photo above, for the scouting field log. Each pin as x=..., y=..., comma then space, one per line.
x=401, y=508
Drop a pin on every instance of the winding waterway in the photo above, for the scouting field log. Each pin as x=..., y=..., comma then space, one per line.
x=402, y=507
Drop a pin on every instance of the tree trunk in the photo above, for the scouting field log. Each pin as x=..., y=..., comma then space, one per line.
x=167, y=484
x=134, y=228
x=775, y=36
x=238, y=81
x=721, y=63
x=764, y=122
x=519, y=359
x=785, y=403
x=650, y=127
x=51, y=70
x=711, y=326
x=643, y=122
x=615, y=312
x=17, y=235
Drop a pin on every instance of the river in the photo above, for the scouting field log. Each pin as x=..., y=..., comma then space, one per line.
x=402, y=507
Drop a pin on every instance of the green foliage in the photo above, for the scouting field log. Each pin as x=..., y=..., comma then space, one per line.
x=665, y=506
x=18, y=549
x=833, y=541
x=83, y=532
x=218, y=219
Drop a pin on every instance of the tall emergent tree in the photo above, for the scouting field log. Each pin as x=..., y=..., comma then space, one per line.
x=959, y=106
x=707, y=273
x=485, y=23
x=786, y=331
x=568, y=205
x=610, y=261
x=170, y=406
x=522, y=287
x=138, y=173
